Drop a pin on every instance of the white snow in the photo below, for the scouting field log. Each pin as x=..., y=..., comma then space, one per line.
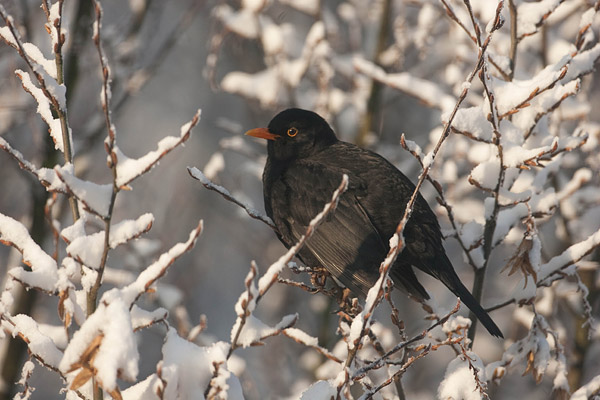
x=273, y=38
x=144, y=390
x=413, y=147
x=54, y=15
x=7, y=35
x=459, y=382
x=263, y=86
x=43, y=109
x=486, y=174
x=571, y=255
x=128, y=168
x=95, y=197
x=582, y=63
x=38, y=343
x=141, y=318
x=422, y=89
x=471, y=233
x=302, y=337
x=455, y=323
x=188, y=368
x=35, y=54
x=157, y=269
x=243, y=22
x=117, y=353
x=472, y=121
x=308, y=6
x=88, y=249
x=254, y=330
x=215, y=164
x=320, y=390
x=509, y=95
x=587, y=391
x=43, y=272
x=529, y=15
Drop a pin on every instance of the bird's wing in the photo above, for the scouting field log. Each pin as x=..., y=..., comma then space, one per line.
x=346, y=243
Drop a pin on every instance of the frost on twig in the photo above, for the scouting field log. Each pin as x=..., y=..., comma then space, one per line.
x=207, y=183
x=128, y=168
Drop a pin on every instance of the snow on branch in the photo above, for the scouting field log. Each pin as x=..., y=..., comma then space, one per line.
x=267, y=86
x=568, y=257
x=46, y=176
x=43, y=272
x=515, y=95
x=41, y=346
x=88, y=249
x=128, y=168
x=51, y=93
x=44, y=109
x=94, y=197
x=531, y=16
x=207, y=183
x=153, y=272
x=424, y=90
x=104, y=347
x=196, y=371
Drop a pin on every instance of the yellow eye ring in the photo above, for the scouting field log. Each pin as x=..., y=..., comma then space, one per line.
x=292, y=132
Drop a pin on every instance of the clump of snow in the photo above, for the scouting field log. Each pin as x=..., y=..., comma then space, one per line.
x=37, y=343
x=157, y=269
x=188, y=368
x=587, y=391
x=531, y=15
x=310, y=7
x=320, y=390
x=128, y=168
x=95, y=197
x=422, y=89
x=486, y=174
x=254, y=330
x=88, y=249
x=459, y=382
x=117, y=353
x=215, y=164
x=243, y=22
x=582, y=63
x=43, y=109
x=43, y=272
x=511, y=95
x=472, y=121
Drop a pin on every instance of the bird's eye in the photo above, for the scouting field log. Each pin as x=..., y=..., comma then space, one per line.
x=292, y=132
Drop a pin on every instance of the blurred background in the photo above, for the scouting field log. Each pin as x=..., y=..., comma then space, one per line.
x=241, y=63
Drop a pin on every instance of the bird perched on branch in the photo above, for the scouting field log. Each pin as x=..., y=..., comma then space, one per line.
x=305, y=165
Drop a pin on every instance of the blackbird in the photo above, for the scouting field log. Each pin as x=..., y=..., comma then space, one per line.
x=305, y=164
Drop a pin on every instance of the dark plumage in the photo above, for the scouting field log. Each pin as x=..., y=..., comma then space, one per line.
x=305, y=164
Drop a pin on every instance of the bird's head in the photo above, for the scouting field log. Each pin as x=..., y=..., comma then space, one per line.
x=295, y=133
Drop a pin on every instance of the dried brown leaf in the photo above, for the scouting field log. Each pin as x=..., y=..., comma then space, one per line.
x=520, y=260
x=81, y=379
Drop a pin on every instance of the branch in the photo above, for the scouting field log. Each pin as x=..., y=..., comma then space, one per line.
x=207, y=183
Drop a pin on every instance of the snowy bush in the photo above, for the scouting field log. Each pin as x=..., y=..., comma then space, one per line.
x=507, y=94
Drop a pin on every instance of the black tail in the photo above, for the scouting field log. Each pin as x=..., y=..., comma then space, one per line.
x=467, y=298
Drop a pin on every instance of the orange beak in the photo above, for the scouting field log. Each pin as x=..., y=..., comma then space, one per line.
x=262, y=133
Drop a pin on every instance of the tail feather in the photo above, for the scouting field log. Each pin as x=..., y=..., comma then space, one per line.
x=467, y=298
x=452, y=281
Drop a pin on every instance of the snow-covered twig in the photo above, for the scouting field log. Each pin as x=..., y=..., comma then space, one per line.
x=207, y=183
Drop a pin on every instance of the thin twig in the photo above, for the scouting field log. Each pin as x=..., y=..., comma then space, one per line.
x=56, y=107
x=207, y=183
